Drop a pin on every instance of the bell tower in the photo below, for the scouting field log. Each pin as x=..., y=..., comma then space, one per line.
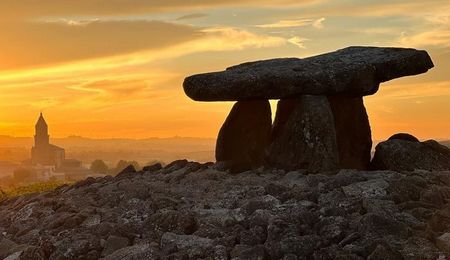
x=41, y=137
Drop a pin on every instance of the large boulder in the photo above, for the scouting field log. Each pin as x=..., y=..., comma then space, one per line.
x=320, y=133
x=304, y=135
x=244, y=136
x=406, y=154
x=353, y=133
x=353, y=71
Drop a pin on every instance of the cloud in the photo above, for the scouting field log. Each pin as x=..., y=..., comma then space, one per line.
x=318, y=23
x=286, y=23
x=417, y=90
x=39, y=43
x=116, y=88
x=14, y=9
x=298, y=41
x=434, y=37
x=227, y=38
x=112, y=81
x=191, y=16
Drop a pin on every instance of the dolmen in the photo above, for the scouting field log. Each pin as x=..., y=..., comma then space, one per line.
x=320, y=123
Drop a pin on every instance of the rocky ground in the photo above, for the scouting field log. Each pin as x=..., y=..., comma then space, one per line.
x=193, y=211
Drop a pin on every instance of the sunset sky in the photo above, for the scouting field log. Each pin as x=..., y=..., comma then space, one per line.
x=114, y=68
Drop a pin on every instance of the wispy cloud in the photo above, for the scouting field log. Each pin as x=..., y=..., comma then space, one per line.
x=27, y=44
x=318, y=23
x=298, y=41
x=433, y=37
x=191, y=16
x=286, y=23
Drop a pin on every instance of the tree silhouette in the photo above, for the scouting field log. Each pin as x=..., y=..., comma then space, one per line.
x=99, y=166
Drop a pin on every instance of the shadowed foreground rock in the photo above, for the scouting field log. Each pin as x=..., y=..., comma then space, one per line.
x=319, y=133
x=354, y=138
x=404, y=153
x=196, y=212
x=353, y=71
x=244, y=136
x=303, y=135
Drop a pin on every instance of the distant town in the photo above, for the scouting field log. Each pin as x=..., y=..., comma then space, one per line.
x=48, y=162
x=51, y=161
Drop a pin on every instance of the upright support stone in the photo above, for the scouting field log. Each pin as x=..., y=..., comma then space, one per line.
x=303, y=135
x=353, y=132
x=244, y=136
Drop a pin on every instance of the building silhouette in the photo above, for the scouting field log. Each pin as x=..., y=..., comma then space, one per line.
x=43, y=153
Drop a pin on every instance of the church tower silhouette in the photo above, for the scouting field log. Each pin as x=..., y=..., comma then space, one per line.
x=41, y=137
x=44, y=153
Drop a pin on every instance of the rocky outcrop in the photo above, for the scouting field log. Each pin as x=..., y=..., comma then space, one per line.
x=404, y=153
x=326, y=127
x=353, y=71
x=404, y=136
x=304, y=136
x=192, y=211
x=319, y=133
x=353, y=134
x=244, y=136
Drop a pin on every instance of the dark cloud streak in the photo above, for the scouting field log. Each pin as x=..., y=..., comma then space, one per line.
x=191, y=16
x=33, y=44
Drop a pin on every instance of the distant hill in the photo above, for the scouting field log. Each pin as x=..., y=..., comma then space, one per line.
x=115, y=149
x=446, y=143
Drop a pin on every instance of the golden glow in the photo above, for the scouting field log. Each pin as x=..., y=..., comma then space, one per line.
x=117, y=71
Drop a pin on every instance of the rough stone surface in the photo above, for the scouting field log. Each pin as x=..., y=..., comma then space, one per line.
x=353, y=71
x=404, y=136
x=179, y=213
x=443, y=242
x=408, y=155
x=113, y=243
x=354, y=139
x=244, y=136
x=303, y=135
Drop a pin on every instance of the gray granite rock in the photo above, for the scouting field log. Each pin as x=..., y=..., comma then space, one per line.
x=353, y=71
x=407, y=155
x=244, y=136
x=354, y=138
x=303, y=135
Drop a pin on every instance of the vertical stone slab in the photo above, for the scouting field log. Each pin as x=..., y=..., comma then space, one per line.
x=353, y=132
x=303, y=135
x=244, y=136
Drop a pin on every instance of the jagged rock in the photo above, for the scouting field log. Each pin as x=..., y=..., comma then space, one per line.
x=114, y=243
x=152, y=168
x=354, y=139
x=404, y=136
x=353, y=71
x=443, y=242
x=136, y=252
x=303, y=135
x=175, y=165
x=261, y=213
x=376, y=226
x=244, y=136
x=8, y=247
x=194, y=245
x=369, y=189
x=381, y=252
x=408, y=155
x=128, y=170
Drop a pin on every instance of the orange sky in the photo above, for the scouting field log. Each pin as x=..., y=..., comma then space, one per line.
x=111, y=68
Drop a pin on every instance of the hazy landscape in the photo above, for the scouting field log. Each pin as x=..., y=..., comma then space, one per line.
x=224, y=130
x=111, y=151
